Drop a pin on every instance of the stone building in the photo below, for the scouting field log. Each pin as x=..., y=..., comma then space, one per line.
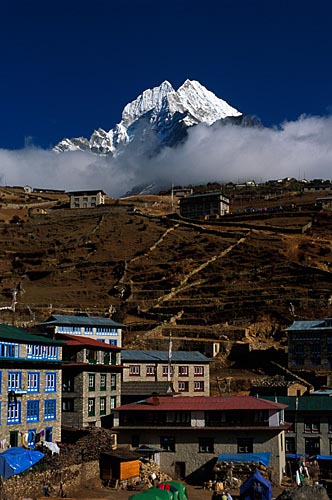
x=87, y=199
x=102, y=329
x=204, y=205
x=310, y=345
x=30, y=388
x=310, y=429
x=91, y=381
x=188, y=433
x=145, y=372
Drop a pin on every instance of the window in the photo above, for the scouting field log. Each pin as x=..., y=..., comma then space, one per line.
x=88, y=330
x=312, y=446
x=183, y=386
x=167, y=370
x=9, y=350
x=134, y=370
x=113, y=342
x=183, y=371
x=102, y=406
x=262, y=416
x=206, y=445
x=290, y=445
x=167, y=443
x=67, y=405
x=198, y=371
x=50, y=382
x=103, y=379
x=14, y=413
x=330, y=443
x=33, y=382
x=91, y=407
x=113, y=382
x=198, y=386
x=315, y=348
x=32, y=411
x=49, y=409
x=91, y=356
x=150, y=370
x=67, y=383
x=14, y=380
x=245, y=445
x=113, y=402
x=42, y=352
x=0, y=382
x=311, y=426
x=92, y=378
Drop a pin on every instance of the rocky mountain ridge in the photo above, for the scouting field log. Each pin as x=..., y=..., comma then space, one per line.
x=162, y=112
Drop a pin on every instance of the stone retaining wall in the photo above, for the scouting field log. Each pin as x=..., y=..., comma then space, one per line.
x=31, y=484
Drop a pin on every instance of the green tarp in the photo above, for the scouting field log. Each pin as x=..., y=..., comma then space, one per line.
x=181, y=489
x=152, y=494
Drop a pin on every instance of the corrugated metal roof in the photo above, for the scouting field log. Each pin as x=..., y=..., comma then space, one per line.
x=81, y=320
x=318, y=324
x=132, y=355
x=304, y=403
x=187, y=403
x=74, y=340
x=11, y=333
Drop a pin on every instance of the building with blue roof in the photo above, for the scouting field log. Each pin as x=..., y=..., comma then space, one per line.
x=310, y=345
x=145, y=372
x=97, y=328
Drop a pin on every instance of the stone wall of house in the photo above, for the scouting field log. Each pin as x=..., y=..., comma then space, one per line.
x=31, y=484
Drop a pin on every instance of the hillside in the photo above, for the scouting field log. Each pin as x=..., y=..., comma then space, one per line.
x=239, y=280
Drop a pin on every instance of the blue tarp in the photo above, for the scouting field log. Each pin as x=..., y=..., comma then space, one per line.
x=250, y=491
x=324, y=457
x=16, y=460
x=262, y=458
x=293, y=456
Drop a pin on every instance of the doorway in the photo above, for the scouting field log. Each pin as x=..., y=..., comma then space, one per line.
x=180, y=470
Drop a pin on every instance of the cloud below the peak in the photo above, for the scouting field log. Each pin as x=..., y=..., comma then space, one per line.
x=301, y=148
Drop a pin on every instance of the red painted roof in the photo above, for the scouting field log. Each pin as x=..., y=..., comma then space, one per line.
x=187, y=403
x=76, y=340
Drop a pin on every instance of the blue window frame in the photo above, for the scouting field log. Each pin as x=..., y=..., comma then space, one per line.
x=50, y=409
x=32, y=411
x=113, y=342
x=0, y=382
x=9, y=350
x=14, y=413
x=50, y=382
x=14, y=380
x=33, y=382
x=0, y=413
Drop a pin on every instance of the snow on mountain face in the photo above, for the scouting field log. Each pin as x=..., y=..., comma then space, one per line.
x=165, y=111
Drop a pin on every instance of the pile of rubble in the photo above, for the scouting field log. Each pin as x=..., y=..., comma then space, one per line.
x=232, y=474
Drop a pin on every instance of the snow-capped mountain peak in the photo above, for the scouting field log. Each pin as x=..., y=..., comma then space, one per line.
x=162, y=111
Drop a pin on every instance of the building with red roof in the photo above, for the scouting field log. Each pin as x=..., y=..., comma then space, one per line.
x=91, y=381
x=187, y=433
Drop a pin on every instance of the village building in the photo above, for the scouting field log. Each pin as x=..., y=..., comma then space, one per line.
x=91, y=382
x=102, y=329
x=310, y=345
x=30, y=388
x=310, y=429
x=145, y=372
x=86, y=199
x=204, y=205
x=187, y=433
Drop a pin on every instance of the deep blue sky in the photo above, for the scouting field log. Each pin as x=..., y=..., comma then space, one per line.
x=68, y=67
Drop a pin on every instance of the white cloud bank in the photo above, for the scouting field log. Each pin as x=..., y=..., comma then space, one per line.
x=216, y=153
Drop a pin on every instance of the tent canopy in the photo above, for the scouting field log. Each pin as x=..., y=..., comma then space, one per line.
x=16, y=460
x=152, y=494
x=262, y=458
x=248, y=487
